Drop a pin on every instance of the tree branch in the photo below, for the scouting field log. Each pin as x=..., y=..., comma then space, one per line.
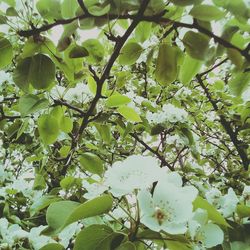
x=226, y=125
x=100, y=81
x=156, y=153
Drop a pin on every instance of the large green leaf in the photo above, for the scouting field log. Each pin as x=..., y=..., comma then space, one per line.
x=239, y=82
x=196, y=45
x=117, y=100
x=42, y=71
x=130, y=53
x=91, y=163
x=127, y=246
x=68, y=8
x=143, y=31
x=29, y=104
x=166, y=64
x=61, y=214
x=58, y=212
x=49, y=9
x=207, y=12
x=213, y=214
x=38, y=70
x=96, y=206
x=189, y=69
x=48, y=128
x=90, y=237
x=6, y=52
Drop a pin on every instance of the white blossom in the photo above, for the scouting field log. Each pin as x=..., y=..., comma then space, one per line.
x=170, y=207
x=135, y=172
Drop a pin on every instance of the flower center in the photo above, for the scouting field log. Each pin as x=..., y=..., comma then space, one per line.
x=159, y=215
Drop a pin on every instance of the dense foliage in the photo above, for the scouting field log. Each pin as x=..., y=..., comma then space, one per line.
x=128, y=132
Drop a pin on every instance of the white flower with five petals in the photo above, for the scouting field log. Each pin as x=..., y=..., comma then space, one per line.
x=135, y=172
x=170, y=207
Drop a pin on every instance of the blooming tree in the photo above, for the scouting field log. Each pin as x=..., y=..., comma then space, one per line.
x=124, y=124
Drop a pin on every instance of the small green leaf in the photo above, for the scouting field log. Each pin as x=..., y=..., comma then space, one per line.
x=243, y=211
x=129, y=114
x=29, y=104
x=104, y=131
x=235, y=57
x=95, y=50
x=213, y=214
x=117, y=100
x=196, y=45
x=96, y=10
x=130, y=53
x=207, y=12
x=78, y=52
x=48, y=128
x=91, y=163
x=175, y=245
x=52, y=246
x=185, y=2
x=127, y=246
x=49, y=9
x=6, y=52
x=66, y=125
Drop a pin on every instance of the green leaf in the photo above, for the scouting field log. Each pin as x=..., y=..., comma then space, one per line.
x=49, y=9
x=52, y=246
x=129, y=114
x=127, y=246
x=189, y=69
x=90, y=237
x=48, y=128
x=101, y=10
x=58, y=212
x=95, y=50
x=207, y=12
x=235, y=57
x=239, y=82
x=38, y=70
x=117, y=100
x=175, y=245
x=185, y=2
x=104, y=131
x=11, y=12
x=196, y=45
x=22, y=128
x=42, y=202
x=166, y=64
x=143, y=31
x=78, y=52
x=67, y=182
x=96, y=206
x=130, y=53
x=66, y=125
x=91, y=163
x=68, y=8
x=21, y=74
x=39, y=182
x=29, y=104
x=213, y=214
x=243, y=211
x=42, y=71
x=6, y=52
